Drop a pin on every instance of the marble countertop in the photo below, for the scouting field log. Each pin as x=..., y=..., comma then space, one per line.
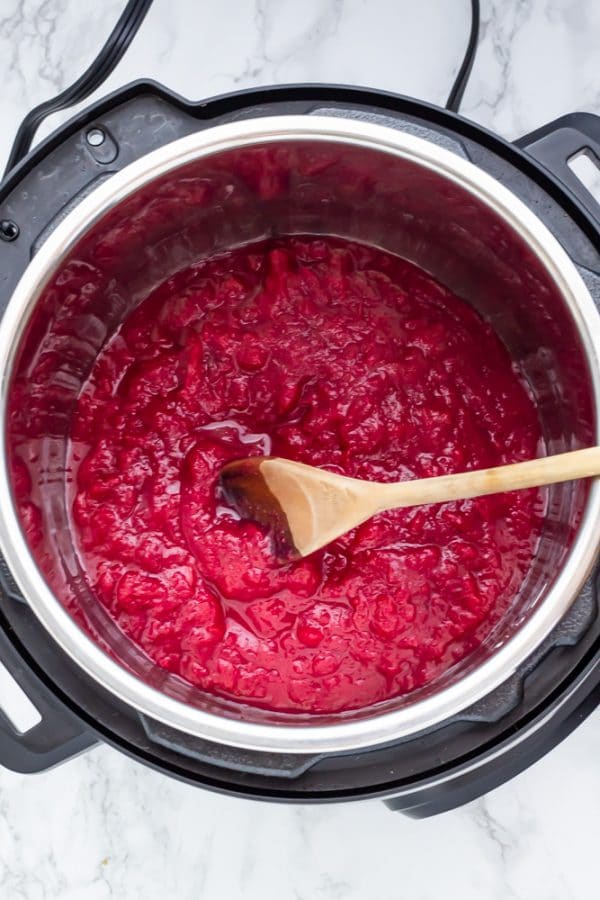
x=102, y=826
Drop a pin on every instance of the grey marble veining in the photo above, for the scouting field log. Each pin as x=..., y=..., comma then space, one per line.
x=105, y=827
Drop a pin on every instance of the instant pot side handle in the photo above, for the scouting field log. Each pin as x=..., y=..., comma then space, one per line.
x=554, y=145
x=59, y=734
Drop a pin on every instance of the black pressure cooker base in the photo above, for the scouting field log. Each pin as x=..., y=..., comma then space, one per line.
x=431, y=772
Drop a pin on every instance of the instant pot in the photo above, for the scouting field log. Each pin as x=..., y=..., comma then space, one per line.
x=143, y=182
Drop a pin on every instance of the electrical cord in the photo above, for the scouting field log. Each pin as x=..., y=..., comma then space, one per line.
x=460, y=82
x=111, y=53
x=119, y=40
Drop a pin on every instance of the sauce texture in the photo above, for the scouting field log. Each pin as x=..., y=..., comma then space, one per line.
x=337, y=355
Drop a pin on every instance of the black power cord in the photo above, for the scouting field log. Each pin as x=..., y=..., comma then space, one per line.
x=460, y=82
x=116, y=44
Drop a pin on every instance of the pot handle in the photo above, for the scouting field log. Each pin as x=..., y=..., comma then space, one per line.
x=58, y=735
x=554, y=144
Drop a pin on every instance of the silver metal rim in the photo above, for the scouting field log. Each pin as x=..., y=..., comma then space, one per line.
x=343, y=735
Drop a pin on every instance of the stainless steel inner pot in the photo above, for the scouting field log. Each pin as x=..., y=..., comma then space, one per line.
x=243, y=182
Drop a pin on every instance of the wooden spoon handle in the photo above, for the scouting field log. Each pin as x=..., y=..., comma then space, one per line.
x=533, y=473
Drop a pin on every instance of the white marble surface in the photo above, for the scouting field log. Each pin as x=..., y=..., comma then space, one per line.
x=104, y=827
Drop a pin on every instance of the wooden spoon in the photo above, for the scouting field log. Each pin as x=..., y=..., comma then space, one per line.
x=307, y=508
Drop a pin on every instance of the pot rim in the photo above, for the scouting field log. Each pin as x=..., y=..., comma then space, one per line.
x=369, y=730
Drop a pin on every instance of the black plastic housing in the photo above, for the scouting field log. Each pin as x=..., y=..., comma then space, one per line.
x=434, y=771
